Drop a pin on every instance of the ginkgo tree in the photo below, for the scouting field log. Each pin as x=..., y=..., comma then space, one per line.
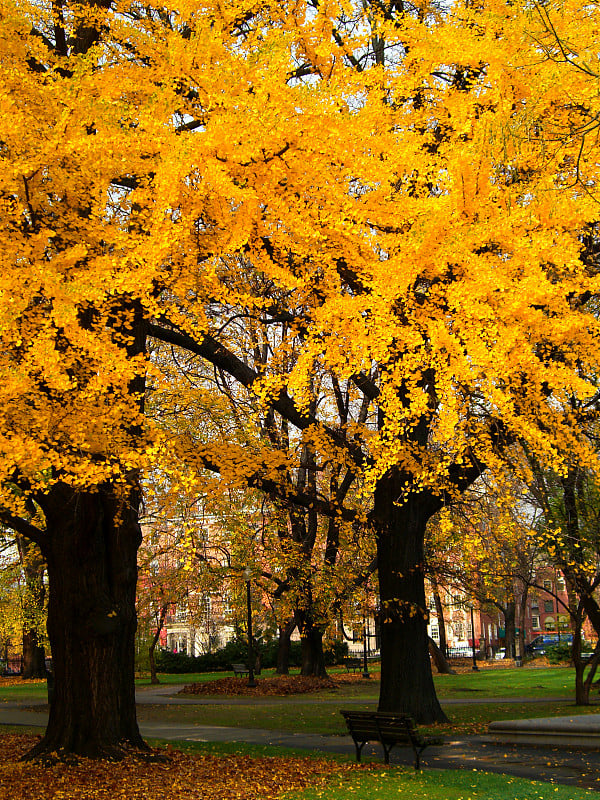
x=378, y=178
x=449, y=302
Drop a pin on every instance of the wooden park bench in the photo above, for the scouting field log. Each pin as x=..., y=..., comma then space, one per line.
x=353, y=664
x=239, y=670
x=389, y=729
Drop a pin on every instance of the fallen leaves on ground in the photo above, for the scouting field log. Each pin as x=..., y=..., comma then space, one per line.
x=275, y=685
x=183, y=777
x=17, y=680
x=280, y=685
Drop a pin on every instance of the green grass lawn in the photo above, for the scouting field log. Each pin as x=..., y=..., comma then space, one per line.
x=516, y=682
x=394, y=784
x=544, y=682
x=191, y=677
x=24, y=691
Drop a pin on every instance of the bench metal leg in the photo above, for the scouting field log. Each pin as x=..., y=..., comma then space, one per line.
x=359, y=746
x=418, y=757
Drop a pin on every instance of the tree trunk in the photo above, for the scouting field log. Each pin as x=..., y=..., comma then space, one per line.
x=34, y=656
x=283, y=647
x=406, y=678
x=440, y=617
x=32, y=564
x=439, y=659
x=151, y=650
x=92, y=542
x=311, y=645
x=509, y=629
x=522, y=613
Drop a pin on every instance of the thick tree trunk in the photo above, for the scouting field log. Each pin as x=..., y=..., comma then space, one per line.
x=406, y=679
x=311, y=645
x=283, y=647
x=93, y=539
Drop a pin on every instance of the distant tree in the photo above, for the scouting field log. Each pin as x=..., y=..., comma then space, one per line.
x=569, y=534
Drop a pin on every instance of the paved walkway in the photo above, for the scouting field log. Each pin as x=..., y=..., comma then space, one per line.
x=557, y=763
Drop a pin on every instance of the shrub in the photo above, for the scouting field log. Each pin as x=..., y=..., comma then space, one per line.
x=236, y=652
x=559, y=653
x=166, y=661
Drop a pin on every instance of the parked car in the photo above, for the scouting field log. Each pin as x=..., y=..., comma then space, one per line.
x=539, y=645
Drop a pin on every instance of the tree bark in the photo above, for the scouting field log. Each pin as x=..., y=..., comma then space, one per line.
x=509, y=629
x=34, y=656
x=440, y=617
x=439, y=659
x=152, y=649
x=283, y=647
x=406, y=678
x=311, y=645
x=522, y=613
x=92, y=542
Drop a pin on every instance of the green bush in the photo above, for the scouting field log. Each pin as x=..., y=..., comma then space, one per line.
x=559, y=653
x=166, y=661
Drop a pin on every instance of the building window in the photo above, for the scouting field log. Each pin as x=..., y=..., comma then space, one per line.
x=560, y=584
x=563, y=622
x=548, y=585
x=548, y=606
x=549, y=623
x=435, y=631
x=459, y=630
x=535, y=622
x=535, y=604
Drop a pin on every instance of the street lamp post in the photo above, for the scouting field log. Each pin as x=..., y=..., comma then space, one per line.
x=247, y=576
x=475, y=667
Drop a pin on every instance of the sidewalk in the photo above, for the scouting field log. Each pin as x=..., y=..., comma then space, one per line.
x=561, y=763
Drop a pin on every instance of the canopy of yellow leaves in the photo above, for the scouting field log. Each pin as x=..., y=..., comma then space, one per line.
x=177, y=164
